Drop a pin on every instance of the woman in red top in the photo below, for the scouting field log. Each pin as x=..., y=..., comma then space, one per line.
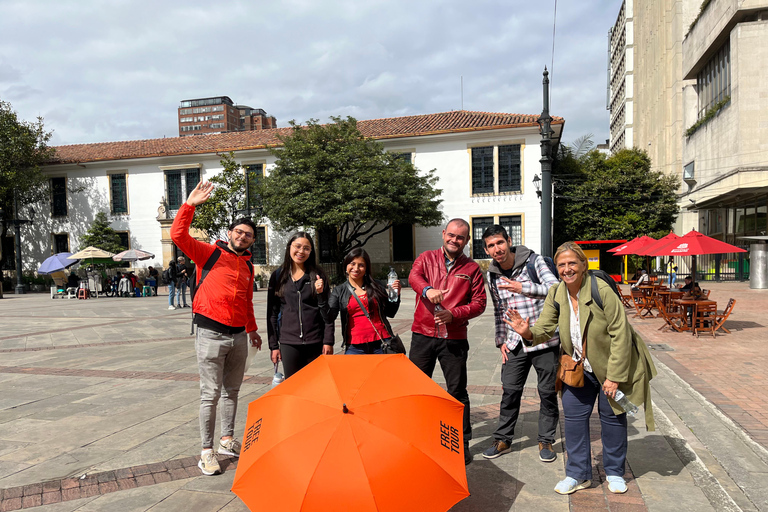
x=361, y=334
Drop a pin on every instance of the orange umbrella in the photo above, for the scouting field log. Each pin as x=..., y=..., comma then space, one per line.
x=353, y=433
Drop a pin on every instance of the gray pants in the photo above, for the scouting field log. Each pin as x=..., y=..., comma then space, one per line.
x=221, y=360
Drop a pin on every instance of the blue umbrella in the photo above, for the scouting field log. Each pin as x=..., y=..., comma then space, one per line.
x=56, y=263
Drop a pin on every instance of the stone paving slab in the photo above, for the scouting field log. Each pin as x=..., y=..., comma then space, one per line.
x=113, y=388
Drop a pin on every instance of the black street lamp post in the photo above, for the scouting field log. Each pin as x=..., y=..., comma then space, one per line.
x=546, y=171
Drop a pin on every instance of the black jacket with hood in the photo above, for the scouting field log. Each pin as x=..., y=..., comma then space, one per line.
x=294, y=318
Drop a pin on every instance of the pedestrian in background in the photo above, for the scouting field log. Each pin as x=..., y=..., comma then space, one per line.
x=171, y=274
x=364, y=306
x=154, y=275
x=450, y=290
x=613, y=357
x=182, y=280
x=296, y=329
x=225, y=322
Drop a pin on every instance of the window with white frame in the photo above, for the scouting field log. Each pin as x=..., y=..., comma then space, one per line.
x=59, y=197
x=178, y=184
x=512, y=223
x=118, y=193
x=496, y=169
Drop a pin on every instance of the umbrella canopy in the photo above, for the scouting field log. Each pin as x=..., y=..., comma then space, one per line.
x=367, y=433
x=133, y=255
x=694, y=243
x=648, y=249
x=91, y=252
x=56, y=263
x=633, y=245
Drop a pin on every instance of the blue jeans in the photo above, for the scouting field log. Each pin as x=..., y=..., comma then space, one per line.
x=672, y=278
x=372, y=347
x=577, y=408
x=181, y=293
x=171, y=293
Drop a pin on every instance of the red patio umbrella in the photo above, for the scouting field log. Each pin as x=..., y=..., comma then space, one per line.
x=633, y=245
x=692, y=244
x=647, y=250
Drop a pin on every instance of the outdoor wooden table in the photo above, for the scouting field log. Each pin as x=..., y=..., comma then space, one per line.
x=667, y=296
x=694, y=304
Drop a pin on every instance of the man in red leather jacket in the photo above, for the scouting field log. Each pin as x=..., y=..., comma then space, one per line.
x=449, y=290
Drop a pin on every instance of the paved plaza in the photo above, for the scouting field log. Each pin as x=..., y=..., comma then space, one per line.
x=99, y=412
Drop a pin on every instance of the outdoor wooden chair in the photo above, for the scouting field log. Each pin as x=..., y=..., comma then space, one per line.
x=672, y=320
x=625, y=299
x=706, y=315
x=705, y=293
x=642, y=305
x=720, y=318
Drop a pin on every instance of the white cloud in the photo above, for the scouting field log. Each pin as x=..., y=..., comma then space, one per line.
x=117, y=69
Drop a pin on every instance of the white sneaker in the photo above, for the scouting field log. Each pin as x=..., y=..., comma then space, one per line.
x=208, y=464
x=171, y=307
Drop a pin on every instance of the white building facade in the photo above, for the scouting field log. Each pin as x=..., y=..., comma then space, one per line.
x=485, y=163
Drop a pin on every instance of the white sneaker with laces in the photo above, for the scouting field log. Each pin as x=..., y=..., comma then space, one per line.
x=229, y=447
x=208, y=463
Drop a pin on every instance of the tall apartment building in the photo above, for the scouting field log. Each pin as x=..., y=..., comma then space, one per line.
x=725, y=145
x=219, y=114
x=620, y=79
x=645, y=87
x=687, y=83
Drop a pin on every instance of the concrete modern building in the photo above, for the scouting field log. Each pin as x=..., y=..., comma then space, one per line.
x=621, y=79
x=725, y=146
x=485, y=162
x=694, y=96
x=219, y=114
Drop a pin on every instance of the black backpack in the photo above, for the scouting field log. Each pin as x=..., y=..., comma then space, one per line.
x=531, y=266
x=605, y=276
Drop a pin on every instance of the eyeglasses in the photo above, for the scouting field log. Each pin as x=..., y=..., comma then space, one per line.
x=303, y=248
x=245, y=234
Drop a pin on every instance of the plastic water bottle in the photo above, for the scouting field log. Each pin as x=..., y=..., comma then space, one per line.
x=623, y=401
x=441, y=331
x=391, y=279
x=278, y=378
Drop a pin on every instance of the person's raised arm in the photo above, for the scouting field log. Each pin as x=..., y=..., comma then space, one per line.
x=195, y=249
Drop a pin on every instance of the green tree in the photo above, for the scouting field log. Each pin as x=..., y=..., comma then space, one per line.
x=101, y=235
x=228, y=200
x=23, y=149
x=331, y=177
x=611, y=197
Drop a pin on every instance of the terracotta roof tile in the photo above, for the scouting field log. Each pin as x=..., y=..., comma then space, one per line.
x=388, y=128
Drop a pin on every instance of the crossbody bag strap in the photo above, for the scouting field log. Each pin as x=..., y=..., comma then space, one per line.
x=367, y=315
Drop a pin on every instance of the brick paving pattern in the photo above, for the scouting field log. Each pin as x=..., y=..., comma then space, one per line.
x=728, y=370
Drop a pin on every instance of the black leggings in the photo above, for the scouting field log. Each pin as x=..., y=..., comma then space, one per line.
x=296, y=357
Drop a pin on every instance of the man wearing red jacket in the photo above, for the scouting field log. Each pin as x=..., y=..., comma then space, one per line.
x=223, y=312
x=449, y=290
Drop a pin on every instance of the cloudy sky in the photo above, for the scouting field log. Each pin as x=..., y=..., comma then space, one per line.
x=109, y=70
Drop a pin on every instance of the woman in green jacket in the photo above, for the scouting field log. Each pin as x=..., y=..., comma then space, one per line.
x=614, y=359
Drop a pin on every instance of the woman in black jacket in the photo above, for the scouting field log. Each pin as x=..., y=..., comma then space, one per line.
x=297, y=332
x=361, y=335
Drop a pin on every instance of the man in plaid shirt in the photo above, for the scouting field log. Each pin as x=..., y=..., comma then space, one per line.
x=511, y=286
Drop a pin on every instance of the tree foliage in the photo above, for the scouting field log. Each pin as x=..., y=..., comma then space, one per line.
x=23, y=148
x=332, y=177
x=612, y=197
x=101, y=235
x=228, y=200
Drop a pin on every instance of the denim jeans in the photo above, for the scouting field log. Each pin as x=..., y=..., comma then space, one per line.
x=171, y=293
x=221, y=361
x=577, y=408
x=373, y=347
x=181, y=293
